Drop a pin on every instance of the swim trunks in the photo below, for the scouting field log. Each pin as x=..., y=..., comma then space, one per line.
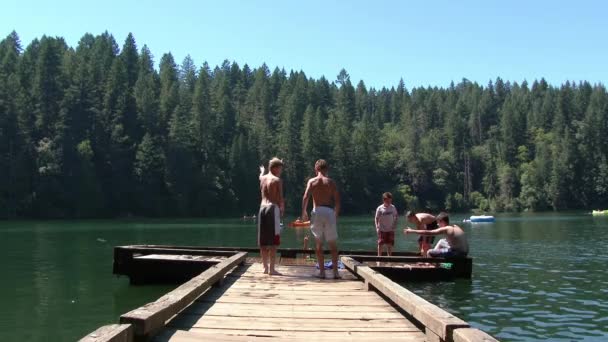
x=269, y=225
x=323, y=223
x=429, y=239
x=386, y=238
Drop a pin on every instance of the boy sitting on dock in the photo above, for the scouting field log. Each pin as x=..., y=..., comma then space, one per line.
x=386, y=223
x=272, y=208
x=423, y=221
x=454, y=245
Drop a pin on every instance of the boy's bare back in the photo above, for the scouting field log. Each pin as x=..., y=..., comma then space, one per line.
x=270, y=187
x=425, y=218
x=323, y=190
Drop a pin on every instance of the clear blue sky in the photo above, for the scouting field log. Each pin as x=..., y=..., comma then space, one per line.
x=425, y=42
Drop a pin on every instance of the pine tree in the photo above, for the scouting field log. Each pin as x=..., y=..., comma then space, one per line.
x=169, y=91
x=149, y=174
x=10, y=141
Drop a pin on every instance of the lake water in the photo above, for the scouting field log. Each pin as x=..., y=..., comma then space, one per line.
x=535, y=276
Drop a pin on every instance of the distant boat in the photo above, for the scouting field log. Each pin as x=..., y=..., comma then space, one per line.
x=599, y=212
x=482, y=218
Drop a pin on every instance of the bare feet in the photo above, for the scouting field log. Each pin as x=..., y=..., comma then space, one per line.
x=320, y=275
x=265, y=270
x=337, y=275
x=275, y=273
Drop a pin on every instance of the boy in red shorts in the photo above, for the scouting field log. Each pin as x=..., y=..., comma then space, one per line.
x=386, y=223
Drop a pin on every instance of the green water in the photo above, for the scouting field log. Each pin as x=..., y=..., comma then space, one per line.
x=536, y=277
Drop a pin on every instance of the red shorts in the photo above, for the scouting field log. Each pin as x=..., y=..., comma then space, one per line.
x=277, y=240
x=386, y=238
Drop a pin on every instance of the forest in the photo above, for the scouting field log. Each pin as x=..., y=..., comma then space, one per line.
x=98, y=130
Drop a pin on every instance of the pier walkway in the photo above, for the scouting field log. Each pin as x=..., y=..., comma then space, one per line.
x=234, y=301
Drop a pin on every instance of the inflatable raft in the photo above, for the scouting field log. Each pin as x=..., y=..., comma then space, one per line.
x=482, y=218
x=299, y=224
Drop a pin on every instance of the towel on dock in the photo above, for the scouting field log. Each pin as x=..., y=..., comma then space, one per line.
x=329, y=265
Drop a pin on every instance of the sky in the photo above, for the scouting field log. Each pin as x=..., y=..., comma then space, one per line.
x=424, y=42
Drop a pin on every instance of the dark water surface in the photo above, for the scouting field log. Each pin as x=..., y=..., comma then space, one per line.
x=535, y=277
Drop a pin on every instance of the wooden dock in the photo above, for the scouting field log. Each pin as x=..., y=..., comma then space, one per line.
x=232, y=300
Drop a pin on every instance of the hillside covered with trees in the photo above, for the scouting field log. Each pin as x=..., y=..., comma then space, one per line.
x=97, y=131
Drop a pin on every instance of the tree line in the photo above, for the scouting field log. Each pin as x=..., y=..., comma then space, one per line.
x=97, y=131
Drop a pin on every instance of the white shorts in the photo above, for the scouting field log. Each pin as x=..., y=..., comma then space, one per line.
x=323, y=224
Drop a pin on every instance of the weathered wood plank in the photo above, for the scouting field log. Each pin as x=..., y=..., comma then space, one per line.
x=281, y=301
x=289, y=324
x=305, y=336
x=472, y=335
x=359, y=307
x=297, y=287
x=289, y=293
x=283, y=251
x=293, y=312
x=404, y=259
x=111, y=333
x=291, y=272
x=176, y=251
x=297, y=299
x=182, y=257
x=149, y=318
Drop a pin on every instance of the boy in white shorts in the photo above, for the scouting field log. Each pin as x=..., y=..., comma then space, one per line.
x=326, y=207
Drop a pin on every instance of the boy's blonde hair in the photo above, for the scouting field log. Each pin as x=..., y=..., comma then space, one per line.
x=274, y=162
x=321, y=165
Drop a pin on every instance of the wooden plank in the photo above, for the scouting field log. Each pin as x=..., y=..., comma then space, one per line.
x=274, y=293
x=361, y=307
x=298, y=277
x=304, y=289
x=299, y=287
x=151, y=317
x=439, y=321
x=287, y=312
x=289, y=324
x=472, y=335
x=111, y=333
x=300, y=314
x=294, y=278
x=303, y=296
x=182, y=257
x=404, y=259
x=195, y=335
x=281, y=301
x=176, y=251
x=282, y=251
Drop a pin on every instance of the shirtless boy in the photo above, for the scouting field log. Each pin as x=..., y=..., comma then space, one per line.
x=272, y=208
x=454, y=245
x=326, y=207
x=423, y=221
